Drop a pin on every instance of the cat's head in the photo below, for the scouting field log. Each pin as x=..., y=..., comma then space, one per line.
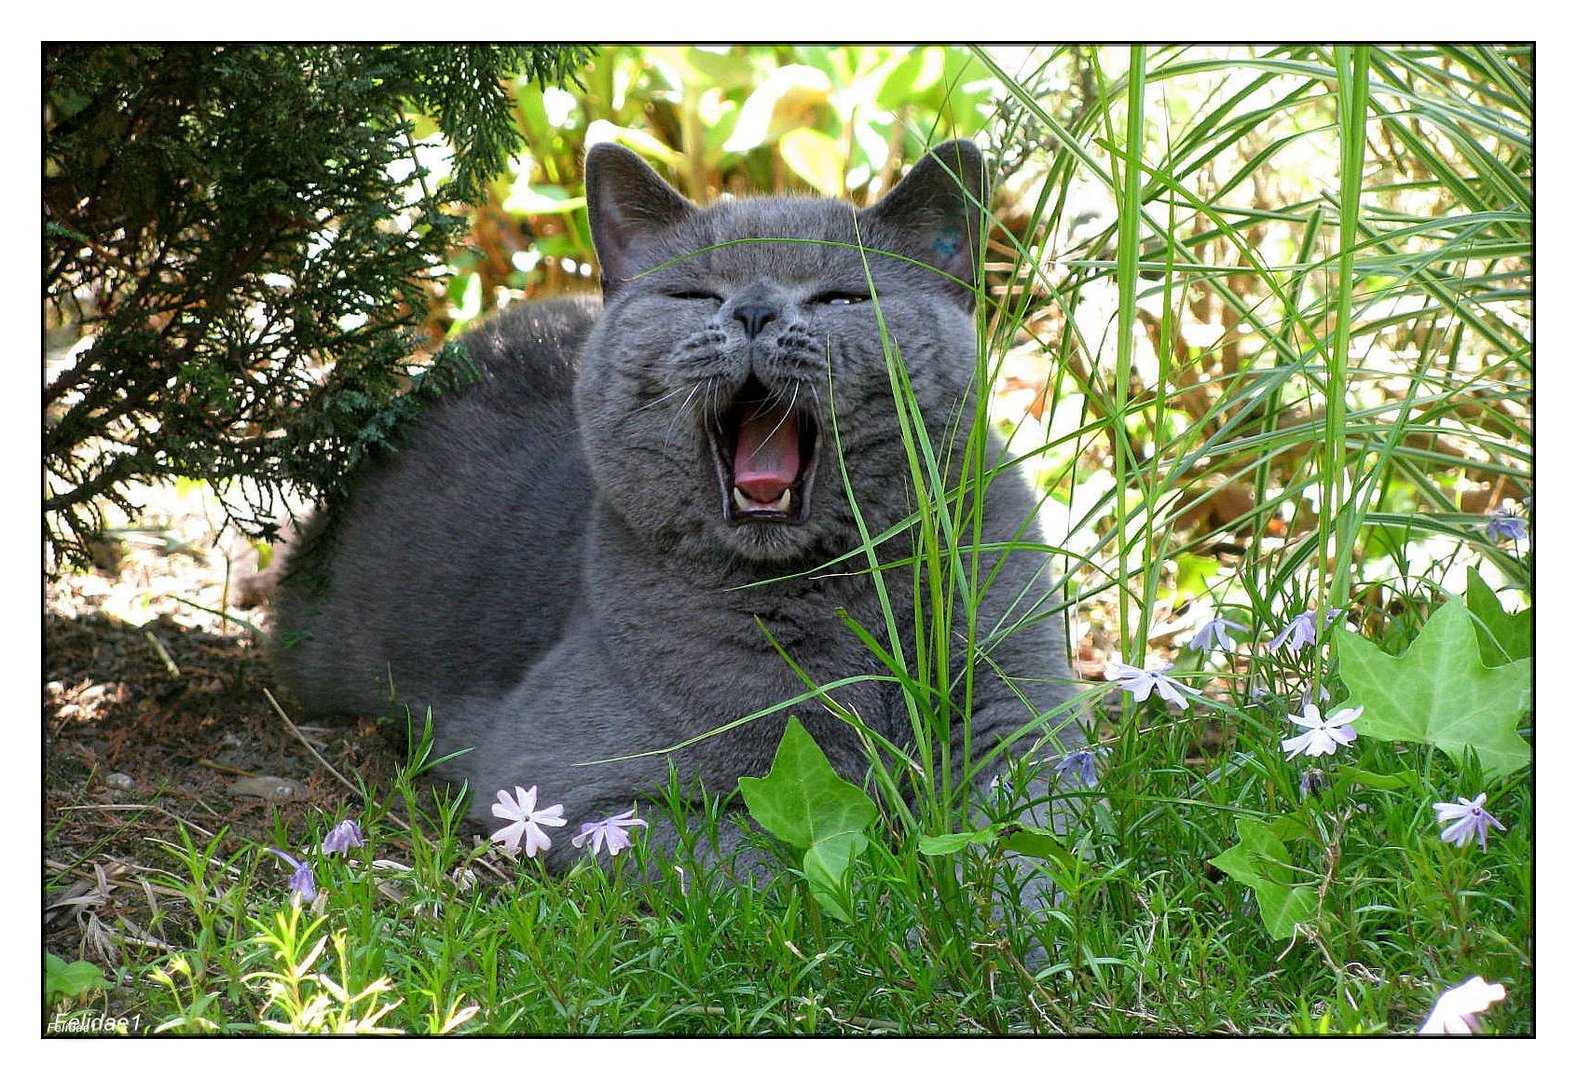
x=742, y=348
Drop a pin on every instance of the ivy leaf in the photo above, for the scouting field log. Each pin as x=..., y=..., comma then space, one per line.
x=1260, y=861
x=1440, y=693
x=803, y=802
x=1501, y=636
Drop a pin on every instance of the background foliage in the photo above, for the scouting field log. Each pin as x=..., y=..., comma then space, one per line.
x=225, y=223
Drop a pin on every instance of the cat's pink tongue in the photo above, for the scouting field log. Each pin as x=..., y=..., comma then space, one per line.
x=766, y=455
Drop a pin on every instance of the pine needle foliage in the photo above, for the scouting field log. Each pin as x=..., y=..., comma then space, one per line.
x=224, y=222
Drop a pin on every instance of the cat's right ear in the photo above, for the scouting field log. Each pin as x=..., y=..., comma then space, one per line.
x=628, y=205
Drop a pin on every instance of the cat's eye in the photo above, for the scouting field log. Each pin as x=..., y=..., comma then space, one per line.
x=838, y=299
x=695, y=294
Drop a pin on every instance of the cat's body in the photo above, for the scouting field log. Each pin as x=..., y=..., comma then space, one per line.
x=581, y=556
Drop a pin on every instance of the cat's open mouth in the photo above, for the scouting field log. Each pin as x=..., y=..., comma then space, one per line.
x=765, y=453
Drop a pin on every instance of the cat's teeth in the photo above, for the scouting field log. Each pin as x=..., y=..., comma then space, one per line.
x=781, y=505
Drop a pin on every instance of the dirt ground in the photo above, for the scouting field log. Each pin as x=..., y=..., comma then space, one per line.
x=157, y=716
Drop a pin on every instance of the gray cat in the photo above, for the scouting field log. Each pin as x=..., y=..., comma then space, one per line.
x=566, y=561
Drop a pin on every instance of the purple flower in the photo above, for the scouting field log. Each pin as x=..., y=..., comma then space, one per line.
x=1077, y=767
x=527, y=821
x=1139, y=682
x=1468, y=819
x=343, y=837
x=1216, y=630
x=1504, y=525
x=1301, y=630
x=1312, y=782
x=1323, y=735
x=613, y=831
x=302, y=886
x=1455, y=1012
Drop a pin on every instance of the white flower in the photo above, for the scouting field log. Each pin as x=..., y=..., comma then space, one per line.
x=1323, y=736
x=1140, y=681
x=1454, y=1013
x=527, y=821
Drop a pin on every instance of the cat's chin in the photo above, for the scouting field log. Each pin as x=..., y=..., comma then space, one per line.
x=775, y=545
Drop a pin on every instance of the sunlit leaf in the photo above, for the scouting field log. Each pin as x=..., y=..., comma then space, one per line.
x=1260, y=861
x=1440, y=693
x=816, y=157
x=777, y=103
x=1502, y=635
x=803, y=802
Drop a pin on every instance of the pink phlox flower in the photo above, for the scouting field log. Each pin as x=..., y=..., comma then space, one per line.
x=613, y=831
x=526, y=821
x=1456, y=1011
x=1323, y=735
x=1216, y=631
x=1467, y=820
x=1140, y=681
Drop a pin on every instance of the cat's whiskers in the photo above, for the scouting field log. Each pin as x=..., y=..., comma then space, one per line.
x=658, y=401
x=682, y=410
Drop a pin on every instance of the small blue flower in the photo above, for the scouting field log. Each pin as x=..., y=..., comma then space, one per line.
x=1321, y=735
x=1301, y=630
x=1216, y=630
x=1468, y=821
x=302, y=886
x=1078, y=768
x=1504, y=525
x=343, y=837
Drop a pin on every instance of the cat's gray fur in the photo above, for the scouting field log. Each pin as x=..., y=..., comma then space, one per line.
x=547, y=564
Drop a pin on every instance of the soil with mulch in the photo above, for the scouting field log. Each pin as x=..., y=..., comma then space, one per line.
x=157, y=719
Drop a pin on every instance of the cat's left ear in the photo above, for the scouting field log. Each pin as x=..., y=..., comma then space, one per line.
x=936, y=212
x=628, y=205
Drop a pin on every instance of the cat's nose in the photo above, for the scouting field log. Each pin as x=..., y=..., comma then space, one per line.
x=755, y=316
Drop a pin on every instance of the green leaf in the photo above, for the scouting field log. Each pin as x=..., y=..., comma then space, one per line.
x=948, y=843
x=1501, y=636
x=803, y=802
x=827, y=867
x=1440, y=693
x=1260, y=861
x=1347, y=776
x=1041, y=843
x=1193, y=575
x=63, y=980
